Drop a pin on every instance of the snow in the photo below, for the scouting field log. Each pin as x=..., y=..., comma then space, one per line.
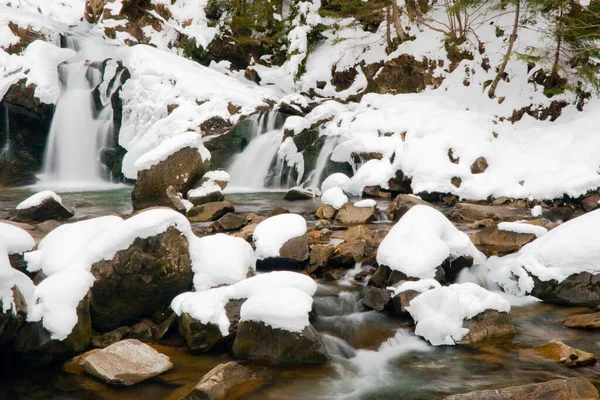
x=536, y=211
x=520, y=227
x=15, y=240
x=171, y=146
x=37, y=199
x=206, y=189
x=222, y=259
x=439, y=313
x=218, y=176
x=422, y=285
x=336, y=180
x=421, y=241
x=283, y=308
x=209, y=306
x=271, y=234
x=334, y=197
x=296, y=124
x=372, y=173
x=568, y=249
x=365, y=203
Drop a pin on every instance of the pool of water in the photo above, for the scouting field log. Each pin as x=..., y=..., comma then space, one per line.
x=375, y=356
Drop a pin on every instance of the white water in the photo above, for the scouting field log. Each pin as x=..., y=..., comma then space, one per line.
x=316, y=177
x=77, y=136
x=5, y=151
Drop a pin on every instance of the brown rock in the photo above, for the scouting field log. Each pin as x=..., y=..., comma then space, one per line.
x=479, y=166
x=12, y=319
x=209, y=211
x=247, y=231
x=211, y=196
x=126, y=363
x=559, y=389
x=588, y=321
x=401, y=204
x=279, y=211
x=376, y=298
x=590, y=202
x=484, y=223
x=293, y=255
x=221, y=380
x=561, y=352
x=176, y=200
x=346, y=255
x=94, y=10
x=352, y=215
x=229, y=222
x=492, y=241
x=358, y=232
x=468, y=212
x=488, y=325
x=297, y=193
x=319, y=256
x=402, y=300
x=456, y=181
x=325, y=212
x=375, y=191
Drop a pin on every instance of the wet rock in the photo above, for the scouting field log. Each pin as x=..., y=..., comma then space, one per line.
x=468, y=212
x=376, y=298
x=346, y=255
x=359, y=232
x=590, y=202
x=401, y=204
x=221, y=380
x=402, y=300
x=106, y=339
x=140, y=280
x=176, y=200
x=140, y=331
x=559, y=389
x=229, y=222
x=493, y=241
x=162, y=327
x=375, y=191
x=126, y=363
x=587, y=321
x=209, y=211
x=12, y=319
x=484, y=223
x=298, y=193
x=259, y=342
x=201, y=337
x=208, y=196
x=319, y=257
x=322, y=224
x=293, y=255
x=247, y=231
x=581, y=289
x=488, y=325
x=479, y=166
x=558, y=214
x=352, y=215
x=325, y=212
x=561, y=352
x=180, y=170
x=279, y=211
x=49, y=209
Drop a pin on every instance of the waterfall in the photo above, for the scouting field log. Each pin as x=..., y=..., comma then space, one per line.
x=6, y=148
x=324, y=156
x=78, y=132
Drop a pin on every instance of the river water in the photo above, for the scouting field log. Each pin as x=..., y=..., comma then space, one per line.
x=375, y=356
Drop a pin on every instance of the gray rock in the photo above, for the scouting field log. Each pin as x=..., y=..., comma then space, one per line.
x=229, y=222
x=581, y=289
x=209, y=211
x=488, y=325
x=48, y=209
x=219, y=381
x=352, y=215
x=140, y=331
x=106, y=339
x=293, y=255
x=376, y=298
x=468, y=212
x=401, y=204
x=298, y=193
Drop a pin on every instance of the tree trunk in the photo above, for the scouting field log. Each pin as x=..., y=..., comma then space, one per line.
x=555, y=65
x=396, y=14
x=388, y=30
x=511, y=43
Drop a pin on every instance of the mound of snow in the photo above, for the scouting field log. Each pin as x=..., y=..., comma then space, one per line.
x=519, y=227
x=37, y=199
x=283, y=308
x=221, y=259
x=372, y=173
x=217, y=175
x=334, y=197
x=420, y=242
x=14, y=239
x=568, y=249
x=365, y=203
x=439, y=313
x=271, y=234
x=422, y=285
x=336, y=180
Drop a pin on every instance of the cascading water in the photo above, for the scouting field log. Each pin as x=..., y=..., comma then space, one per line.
x=77, y=134
x=316, y=177
x=6, y=147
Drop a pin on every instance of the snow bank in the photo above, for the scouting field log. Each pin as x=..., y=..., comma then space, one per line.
x=15, y=240
x=439, y=313
x=520, y=227
x=221, y=259
x=209, y=306
x=336, y=180
x=283, y=308
x=568, y=249
x=37, y=199
x=271, y=234
x=171, y=146
x=420, y=242
x=334, y=197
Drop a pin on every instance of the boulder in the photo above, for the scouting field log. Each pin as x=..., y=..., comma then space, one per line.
x=376, y=298
x=401, y=204
x=376, y=192
x=561, y=352
x=492, y=241
x=468, y=212
x=201, y=337
x=559, y=389
x=140, y=280
x=402, y=300
x=479, y=165
x=259, y=342
x=229, y=222
x=221, y=380
x=346, y=255
x=209, y=211
x=358, y=232
x=581, y=289
x=48, y=209
x=586, y=321
x=349, y=214
x=298, y=193
x=141, y=331
x=126, y=363
x=293, y=255
x=12, y=319
x=590, y=202
x=109, y=338
x=180, y=170
x=488, y=325
x=209, y=192
x=325, y=212
x=319, y=257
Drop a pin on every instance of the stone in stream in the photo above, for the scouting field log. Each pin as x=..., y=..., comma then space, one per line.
x=492, y=241
x=349, y=214
x=293, y=255
x=376, y=298
x=221, y=380
x=346, y=255
x=106, y=339
x=209, y=211
x=586, y=321
x=141, y=331
x=180, y=170
x=319, y=257
x=402, y=300
x=209, y=192
x=488, y=325
x=298, y=193
x=582, y=289
x=48, y=209
x=126, y=363
x=258, y=342
x=401, y=204
x=559, y=389
x=468, y=212
x=561, y=352
x=229, y=222
x=140, y=280
x=176, y=200
x=325, y=212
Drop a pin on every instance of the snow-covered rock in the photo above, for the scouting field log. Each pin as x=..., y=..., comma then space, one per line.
x=208, y=192
x=281, y=242
x=335, y=197
x=41, y=207
x=336, y=180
